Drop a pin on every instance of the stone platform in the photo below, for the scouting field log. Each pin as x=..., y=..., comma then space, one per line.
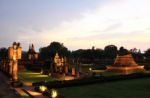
x=125, y=70
x=125, y=64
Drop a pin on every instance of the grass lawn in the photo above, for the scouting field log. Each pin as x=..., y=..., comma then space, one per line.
x=136, y=88
x=28, y=76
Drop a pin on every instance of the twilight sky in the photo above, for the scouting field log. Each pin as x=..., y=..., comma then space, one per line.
x=76, y=23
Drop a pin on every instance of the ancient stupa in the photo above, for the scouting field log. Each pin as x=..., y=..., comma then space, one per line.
x=125, y=64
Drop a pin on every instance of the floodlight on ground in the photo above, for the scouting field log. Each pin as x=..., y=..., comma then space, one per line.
x=41, y=71
x=54, y=93
x=42, y=88
x=90, y=69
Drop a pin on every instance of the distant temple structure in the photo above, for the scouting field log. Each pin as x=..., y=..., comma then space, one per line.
x=125, y=64
x=62, y=67
x=32, y=55
x=59, y=63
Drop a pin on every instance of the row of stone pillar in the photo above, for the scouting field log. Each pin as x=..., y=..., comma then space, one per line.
x=73, y=70
x=10, y=65
x=6, y=66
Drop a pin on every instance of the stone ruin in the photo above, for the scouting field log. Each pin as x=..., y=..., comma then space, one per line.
x=32, y=55
x=14, y=54
x=60, y=67
x=125, y=64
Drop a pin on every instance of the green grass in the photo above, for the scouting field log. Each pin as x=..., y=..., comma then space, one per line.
x=28, y=76
x=136, y=88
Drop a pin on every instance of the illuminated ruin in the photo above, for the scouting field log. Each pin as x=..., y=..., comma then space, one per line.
x=62, y=69
x=32, y=55
x=14, y=54
x=125, y=64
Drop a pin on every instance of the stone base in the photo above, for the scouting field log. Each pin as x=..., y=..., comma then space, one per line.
x=125, y=70
x=57, y=75
x=16, y=83
x=62, y=76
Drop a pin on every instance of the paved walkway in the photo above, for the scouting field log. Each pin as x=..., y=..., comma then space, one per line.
x=6, y=91
x=30, y=89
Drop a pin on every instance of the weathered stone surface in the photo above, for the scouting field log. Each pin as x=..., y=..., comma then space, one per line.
x=125, y=64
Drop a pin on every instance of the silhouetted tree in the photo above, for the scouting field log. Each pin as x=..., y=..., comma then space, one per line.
x=77, y=53
x=98, y=54
x=50, y=51
x=3, y=53
x=137, y=55
x=147, y=53
x=110, y=51
x=86, y=54
x=123, y=51
x=89, y=54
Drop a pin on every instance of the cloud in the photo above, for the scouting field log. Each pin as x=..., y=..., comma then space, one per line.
x=119, y=22
x=113, y=22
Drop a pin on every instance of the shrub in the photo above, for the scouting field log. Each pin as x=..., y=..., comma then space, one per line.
x=91, y=80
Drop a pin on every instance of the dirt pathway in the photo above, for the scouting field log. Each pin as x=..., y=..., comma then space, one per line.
x=6, y=91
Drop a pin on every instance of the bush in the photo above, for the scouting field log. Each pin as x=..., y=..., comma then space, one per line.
x=91, y=80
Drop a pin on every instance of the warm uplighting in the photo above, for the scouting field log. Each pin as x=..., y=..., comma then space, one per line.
x=41, y=71
x=125, y=64
x=42, y=88
x=67, y=78
x=54, y=93
x=90, y=69
x=49, y=74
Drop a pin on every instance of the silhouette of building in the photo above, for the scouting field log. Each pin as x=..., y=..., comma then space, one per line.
x=32, y=55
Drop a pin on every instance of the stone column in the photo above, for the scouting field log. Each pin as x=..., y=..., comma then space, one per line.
x=14, y=54
x=66, y=69
x=10, y=67
x=15, y=71
x=73, y=71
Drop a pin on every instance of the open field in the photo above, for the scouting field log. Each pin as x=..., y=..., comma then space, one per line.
x=28, y=76
x=136, y=88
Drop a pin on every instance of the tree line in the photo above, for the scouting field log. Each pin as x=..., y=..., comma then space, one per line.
x=109, y=52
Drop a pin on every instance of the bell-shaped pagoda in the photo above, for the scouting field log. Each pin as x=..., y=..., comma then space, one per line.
x=125, y=64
